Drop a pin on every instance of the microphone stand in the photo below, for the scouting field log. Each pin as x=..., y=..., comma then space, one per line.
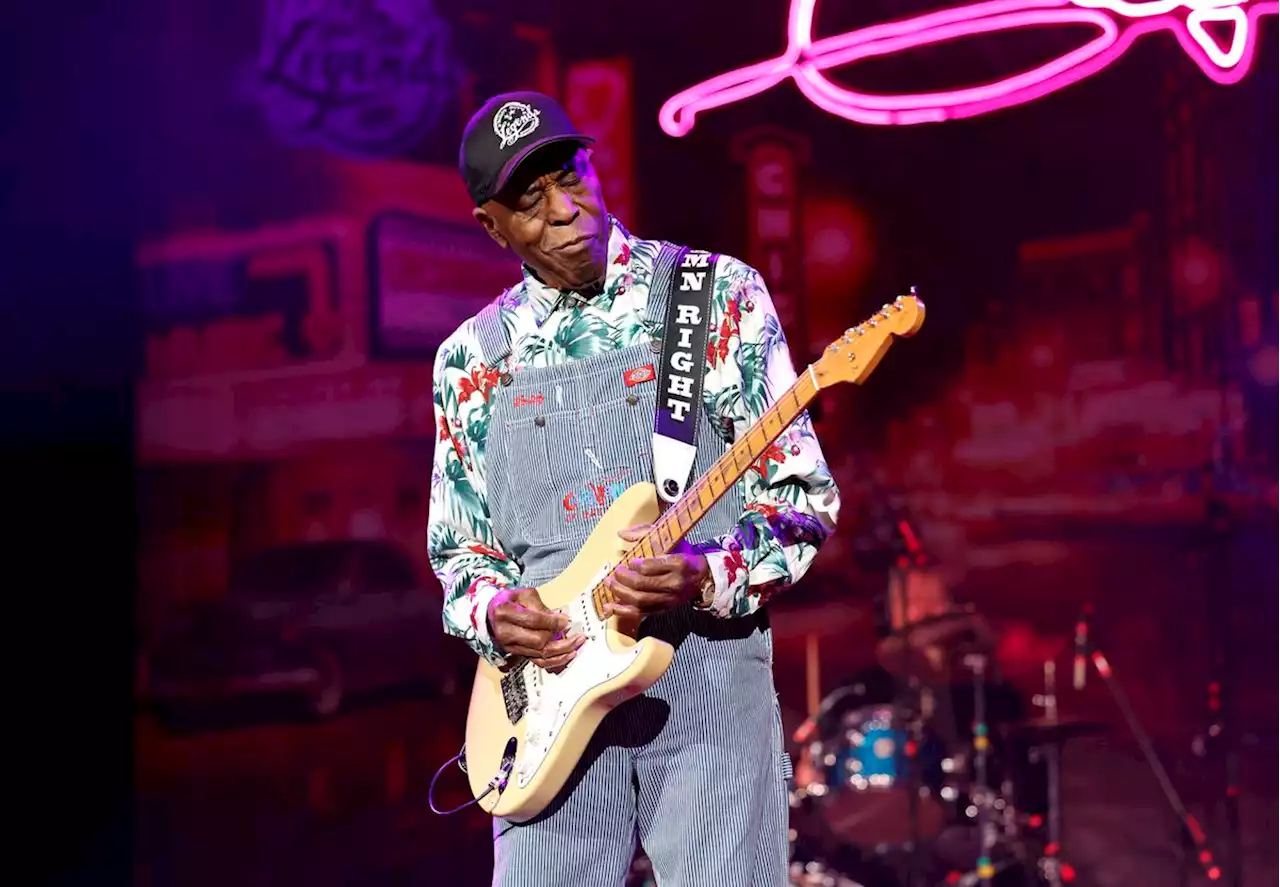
x=1221, y=742
x=1194, y=832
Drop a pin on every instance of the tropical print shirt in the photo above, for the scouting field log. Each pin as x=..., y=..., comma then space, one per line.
x=792, y=501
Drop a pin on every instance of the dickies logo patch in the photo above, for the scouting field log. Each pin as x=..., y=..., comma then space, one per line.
x=635, y=376
x=528, y=400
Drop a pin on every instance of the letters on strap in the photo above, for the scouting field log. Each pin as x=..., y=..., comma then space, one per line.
x=684, y=356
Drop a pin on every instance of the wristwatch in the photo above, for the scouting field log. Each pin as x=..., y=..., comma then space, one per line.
x=706, y=593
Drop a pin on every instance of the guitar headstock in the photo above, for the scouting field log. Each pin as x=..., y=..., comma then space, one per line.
x=853, y=356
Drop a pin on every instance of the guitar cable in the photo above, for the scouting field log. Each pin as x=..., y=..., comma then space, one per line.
x=498, y=782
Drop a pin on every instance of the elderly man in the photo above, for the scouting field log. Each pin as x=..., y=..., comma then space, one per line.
x=545, y=405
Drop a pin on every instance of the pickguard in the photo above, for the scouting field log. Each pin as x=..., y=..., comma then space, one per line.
x=552, y=698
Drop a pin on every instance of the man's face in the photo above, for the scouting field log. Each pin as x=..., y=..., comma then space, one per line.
x=552, y=215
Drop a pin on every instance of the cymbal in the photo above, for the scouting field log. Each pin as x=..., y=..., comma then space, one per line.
x=929, y=663
x=1045, y=731
x=941, y=627
x=934, y=647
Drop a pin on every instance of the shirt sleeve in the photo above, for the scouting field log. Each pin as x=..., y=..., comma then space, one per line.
x=465, y=554
x=791, y=498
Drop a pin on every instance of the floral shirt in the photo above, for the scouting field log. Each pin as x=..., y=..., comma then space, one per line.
x=791, y=499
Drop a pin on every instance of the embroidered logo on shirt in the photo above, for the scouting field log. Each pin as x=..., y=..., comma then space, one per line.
x=595, y=497
x=639, y=374
x=528, y=400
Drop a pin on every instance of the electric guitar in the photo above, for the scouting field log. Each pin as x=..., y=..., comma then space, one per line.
x=527, y=727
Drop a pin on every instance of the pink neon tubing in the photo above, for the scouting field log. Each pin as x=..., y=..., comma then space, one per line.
x=1119, y=24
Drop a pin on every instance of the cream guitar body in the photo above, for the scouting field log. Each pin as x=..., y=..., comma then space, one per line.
x=562, y=710
x=527, y=728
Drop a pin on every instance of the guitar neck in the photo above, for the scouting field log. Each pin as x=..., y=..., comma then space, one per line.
x=681, y=517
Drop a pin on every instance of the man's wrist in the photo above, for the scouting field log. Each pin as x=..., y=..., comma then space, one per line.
x=729, y=577
x=487, y=595
x=705, y=594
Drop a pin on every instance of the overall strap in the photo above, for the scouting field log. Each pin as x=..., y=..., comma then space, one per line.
x=660, y=284
x=495, y=344
x=684, y=288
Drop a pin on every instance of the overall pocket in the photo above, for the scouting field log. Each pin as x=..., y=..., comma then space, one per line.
x=547, y=464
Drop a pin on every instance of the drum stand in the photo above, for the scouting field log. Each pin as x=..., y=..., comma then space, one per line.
x=977, y=663
x=909, y=702
x=995, y=810
x=912, y=551
x=1050, y=862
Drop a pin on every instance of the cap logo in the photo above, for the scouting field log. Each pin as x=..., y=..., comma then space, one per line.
x=514, y=121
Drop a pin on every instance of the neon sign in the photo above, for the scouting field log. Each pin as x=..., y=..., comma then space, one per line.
x=366, y=79
x=1119, y=24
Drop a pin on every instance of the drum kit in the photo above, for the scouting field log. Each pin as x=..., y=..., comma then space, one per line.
x=924, y=771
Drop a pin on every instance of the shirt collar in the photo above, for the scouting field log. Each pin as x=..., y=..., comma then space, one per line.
x=544, y=299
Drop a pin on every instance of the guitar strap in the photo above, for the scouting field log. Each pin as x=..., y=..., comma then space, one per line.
x=683, y=282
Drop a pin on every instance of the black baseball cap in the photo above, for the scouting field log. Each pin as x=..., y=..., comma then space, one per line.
x=503, y=133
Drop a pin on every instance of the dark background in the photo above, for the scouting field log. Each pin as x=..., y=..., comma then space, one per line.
x=129, y=121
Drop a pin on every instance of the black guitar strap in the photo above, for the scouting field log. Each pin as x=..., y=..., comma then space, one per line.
x=684, y=278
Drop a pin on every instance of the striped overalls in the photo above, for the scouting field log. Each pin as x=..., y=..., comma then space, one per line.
x=694, y=768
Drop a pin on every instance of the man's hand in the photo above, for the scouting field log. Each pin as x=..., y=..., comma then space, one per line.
x=523, y=626
x=654, y=585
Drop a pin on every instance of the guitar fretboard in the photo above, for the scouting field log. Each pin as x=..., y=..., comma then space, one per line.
x=698, y=499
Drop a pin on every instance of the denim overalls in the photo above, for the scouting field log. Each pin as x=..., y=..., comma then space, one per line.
x=695, y=767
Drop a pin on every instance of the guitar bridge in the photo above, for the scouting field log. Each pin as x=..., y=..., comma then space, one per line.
x=515, y=696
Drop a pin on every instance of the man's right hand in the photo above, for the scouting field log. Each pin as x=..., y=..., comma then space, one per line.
x=523, y=626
